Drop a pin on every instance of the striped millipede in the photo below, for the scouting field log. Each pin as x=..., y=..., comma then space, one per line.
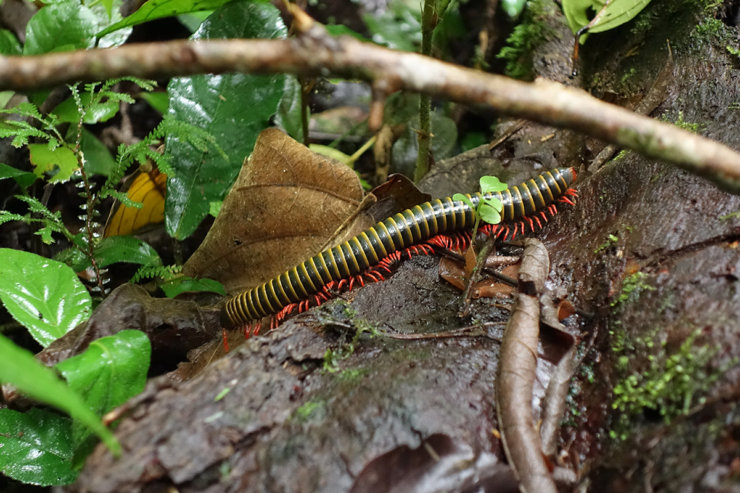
x=414, y=230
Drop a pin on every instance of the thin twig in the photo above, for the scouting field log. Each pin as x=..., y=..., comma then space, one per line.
x=316, y=53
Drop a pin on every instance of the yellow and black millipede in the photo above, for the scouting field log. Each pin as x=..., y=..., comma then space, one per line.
x=414, y=229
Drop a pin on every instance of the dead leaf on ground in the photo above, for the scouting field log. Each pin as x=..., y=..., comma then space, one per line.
x=286, y=203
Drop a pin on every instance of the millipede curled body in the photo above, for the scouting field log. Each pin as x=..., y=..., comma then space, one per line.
x=414, y=229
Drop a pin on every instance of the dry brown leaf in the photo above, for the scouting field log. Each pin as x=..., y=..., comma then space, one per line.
x=287, y=202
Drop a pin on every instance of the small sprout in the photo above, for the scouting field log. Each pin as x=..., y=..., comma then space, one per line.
x=491, y=184
x=488, y=208
x=222, y=394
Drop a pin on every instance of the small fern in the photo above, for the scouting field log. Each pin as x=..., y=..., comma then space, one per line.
x=27, y=126
x=163, y=272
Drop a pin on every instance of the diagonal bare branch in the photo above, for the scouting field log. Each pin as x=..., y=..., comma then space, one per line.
x=314, y=52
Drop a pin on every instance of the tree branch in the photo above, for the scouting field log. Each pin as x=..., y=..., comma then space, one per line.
x=315, y=53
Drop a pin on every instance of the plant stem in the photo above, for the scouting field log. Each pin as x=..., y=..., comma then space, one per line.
x=428, y=23
x=90, y=200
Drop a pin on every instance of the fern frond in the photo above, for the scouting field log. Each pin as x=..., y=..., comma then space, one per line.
x=122, y=198
x=164, y=272
x=6, y=217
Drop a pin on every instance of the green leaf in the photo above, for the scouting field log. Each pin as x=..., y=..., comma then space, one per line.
x=125, y=249
x=463, y=198
x=342, y=30
x=60, y=162
x=19, y=368
x=110, y=371
x=494, y=203
x=61, y=26
x=491, y=184
x=234, y=108
x=36, y=447
x=332, y=153
x=489, y=214
x=289, y=116
x=23, y=178
x=98, y=159
x=9, y=44
x=580, y=12
x=398, y=27
x=156, y=9
x=513, y=8
x=42, y=294
x=160, y=101
x=100, y=112
x=74, y=258
x=188, y=284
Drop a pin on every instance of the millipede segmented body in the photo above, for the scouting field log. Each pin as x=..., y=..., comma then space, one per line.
x=414, y=231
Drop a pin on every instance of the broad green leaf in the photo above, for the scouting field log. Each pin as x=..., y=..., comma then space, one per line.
x=332, y=153
x=342, y=30
x=60, y=163
x=489, y=184
x=188, y=284
x=36, y=448
x=98, y=159
x=110, y=371
x=61, y=26
x=193, y=20
x=74, y=258
x=580, y=12
x=463, y=198
x=67, y=111
x=43, y=295
x=444, y=139
x=158, y=100
x=234, y=108
x=489, y=214
x=125, y=249
x=398, y=27
x=108, y=12
x=288, y=116
x=9, y=44
x=156, y=9
x=19, y=368
x=23, y=178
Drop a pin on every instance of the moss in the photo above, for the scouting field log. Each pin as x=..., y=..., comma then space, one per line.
x=611, y=240
x=667, y=384
x=352, y=374
x=632, y=286
x=310, y=409
x=526, y=37
x=681, y=123
x=333, y=356
x=709, y=31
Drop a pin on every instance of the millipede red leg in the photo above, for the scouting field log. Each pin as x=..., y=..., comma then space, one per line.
x=225, y=338
x=531, y=223
x=566, y=200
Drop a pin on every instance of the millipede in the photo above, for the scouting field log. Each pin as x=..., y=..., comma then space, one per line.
x=367, y=257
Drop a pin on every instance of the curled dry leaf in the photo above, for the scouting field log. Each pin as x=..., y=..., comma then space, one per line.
x=286, y=203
